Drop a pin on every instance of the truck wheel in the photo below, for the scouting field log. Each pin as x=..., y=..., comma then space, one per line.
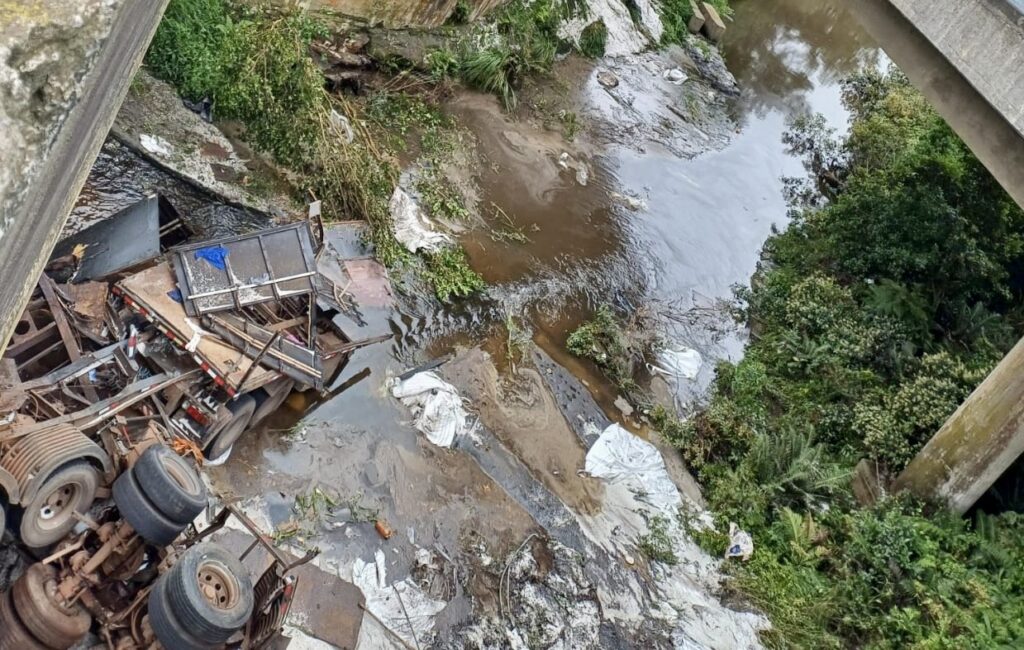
x=13, y=634
x=210, y=593
x=168, y=631
x=171, y=484
x=147, y=520
x=50, y=515
x=270, y=398
x=44, y=616
x=241, y=409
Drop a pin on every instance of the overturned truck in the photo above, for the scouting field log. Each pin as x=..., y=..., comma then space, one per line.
x=131, y=324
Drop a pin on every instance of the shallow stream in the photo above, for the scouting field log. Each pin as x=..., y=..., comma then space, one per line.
x=692, y=227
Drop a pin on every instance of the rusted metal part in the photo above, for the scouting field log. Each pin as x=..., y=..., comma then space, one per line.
x=32, y=458
x=269, y=348
x=59, y=317
x=259, y=357
x=119, y=541
x=105, y=409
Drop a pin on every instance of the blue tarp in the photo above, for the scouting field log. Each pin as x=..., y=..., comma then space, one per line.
x=215, y=255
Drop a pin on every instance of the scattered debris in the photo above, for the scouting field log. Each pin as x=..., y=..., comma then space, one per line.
x=620, y=457
x=436, y=405
x=546, y=601
x=675, y=76
x=413, y=229
x=741, y=544
x=383, y=529
x=678, y=363
x=631, y=202
x=155, y=144
x=566, y=161
x=607, y=79
x=402, y=607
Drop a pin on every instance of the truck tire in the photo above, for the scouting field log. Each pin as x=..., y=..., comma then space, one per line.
x=50, y=515
x=241, y=409
x=210, y=593
x=169, y=632
x=270, y=398
x=147, y=520
x=38, y=607
x=13, y=634
x=171, y=484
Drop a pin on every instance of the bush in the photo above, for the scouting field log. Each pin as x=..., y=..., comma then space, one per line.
x=593, y=40
x=449, y=273
x=892, y=293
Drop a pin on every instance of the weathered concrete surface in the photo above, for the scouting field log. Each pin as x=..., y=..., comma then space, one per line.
x=400, y=13
x=696, y=18
x=714, y=26
x=967, y=57
x=978, y=442
x=64, y=69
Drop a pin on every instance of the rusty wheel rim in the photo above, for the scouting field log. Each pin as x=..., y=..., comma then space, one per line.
x=59, y=506
x=182, y=477
x=218, y=585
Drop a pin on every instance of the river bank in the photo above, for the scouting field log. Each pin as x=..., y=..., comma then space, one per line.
x=648, y=196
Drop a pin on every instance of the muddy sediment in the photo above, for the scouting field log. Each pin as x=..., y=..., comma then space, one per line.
x=663, y=197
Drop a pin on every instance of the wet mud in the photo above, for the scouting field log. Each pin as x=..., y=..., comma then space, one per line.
x=663, y=198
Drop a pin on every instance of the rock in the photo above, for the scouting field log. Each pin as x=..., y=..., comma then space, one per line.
x=607, y=79
x=696, y=18
x=356, y=43
x=674, y=76
x=624, y=407
x=714, y=28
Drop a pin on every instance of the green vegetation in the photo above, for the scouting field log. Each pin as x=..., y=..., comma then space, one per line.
x=254, y=65
x=656, y=544
x=449, y=273
x=676, y=14
x=893, y=291
x=593, y=40
x=440, y=197
x=604, y=340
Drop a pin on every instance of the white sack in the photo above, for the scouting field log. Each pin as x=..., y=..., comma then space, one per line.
x=436, y=405
x=620, y=457
x=411, y=615
x=679, y=363
x=412, y=228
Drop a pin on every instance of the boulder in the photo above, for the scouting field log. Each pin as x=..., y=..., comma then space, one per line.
x=714, y=27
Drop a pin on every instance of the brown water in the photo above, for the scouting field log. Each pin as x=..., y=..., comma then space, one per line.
x=699, y=232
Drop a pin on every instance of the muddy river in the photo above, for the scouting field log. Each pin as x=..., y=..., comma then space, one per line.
x=654, y=219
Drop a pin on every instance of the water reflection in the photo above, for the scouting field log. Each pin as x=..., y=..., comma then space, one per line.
x=781, y=51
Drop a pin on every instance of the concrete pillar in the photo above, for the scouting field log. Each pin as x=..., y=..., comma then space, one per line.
x=714, y=27
x=696, y=18
x=990, y=124
x=976, y=444
x=61, y=126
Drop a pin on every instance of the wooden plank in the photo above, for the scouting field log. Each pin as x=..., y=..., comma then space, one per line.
x=151, y=288
x=64, y=327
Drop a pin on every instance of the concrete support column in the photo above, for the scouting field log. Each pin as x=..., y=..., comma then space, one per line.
x=976, y=444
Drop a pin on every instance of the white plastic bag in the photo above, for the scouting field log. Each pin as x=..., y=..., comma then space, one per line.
x=436, y=405
x=412, y=228
x=620, y=457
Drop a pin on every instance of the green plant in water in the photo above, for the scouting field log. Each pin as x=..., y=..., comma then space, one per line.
x=440, y=197
x=448, y=271
x=593, y=40
x=656, y=544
